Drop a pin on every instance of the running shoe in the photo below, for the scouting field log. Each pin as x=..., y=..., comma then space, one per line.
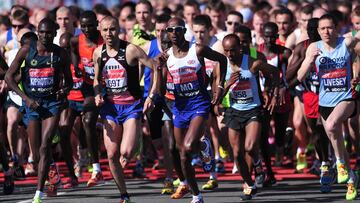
x=205, y=154
x=51, y=190
x=269, y=181
x=139, y=171
x=343, y=174
x=19, y=173
x=315, y=168
x=235, y=169
x=219, y=167
x=301, y=163
x=168, y=187
x=125, y=198
x=36, y=200
x=196, y=161
x=30, y=169
x=259, y=176
x=210, y=185
x=9, y=182
x=180, y=192
x=176, y=182
x=96, y=178
x=223, y=153
x=71, y=184
x=325, y=175
x=248, y=192
x=78, y=170
x=351, y=193
x=197, y=201
x=53, y=175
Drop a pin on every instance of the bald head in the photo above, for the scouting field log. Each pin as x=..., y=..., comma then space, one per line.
x=109, y=20
x=231, y=39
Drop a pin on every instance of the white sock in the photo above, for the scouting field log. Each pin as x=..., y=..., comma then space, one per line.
x=325, y=163
x=183, y=182
x=213, y=176
x=340, y=161
x=39, y=194
x=197, y=197
x=217, y=157
x=300, y=150
x=30, y=160
x=96, y=167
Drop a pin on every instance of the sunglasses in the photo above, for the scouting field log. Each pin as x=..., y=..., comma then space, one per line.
x=231, y=23
x=18, y=26
x=176, y=29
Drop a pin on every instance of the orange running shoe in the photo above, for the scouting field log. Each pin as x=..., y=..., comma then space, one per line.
x=180, y=192
x=96, y=178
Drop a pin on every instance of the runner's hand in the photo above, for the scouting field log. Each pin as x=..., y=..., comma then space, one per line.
x=282, y=96
x=148, y=105
x=99, y=100
x=32, y=104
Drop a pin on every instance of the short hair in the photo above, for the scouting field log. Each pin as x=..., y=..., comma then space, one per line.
x=356, y=11
x=285, y=11
x=204, y=20
x=50, y=22
x=146, y=2
x=5, y=20
x=75, y=11
x=307, y=9
x=271, y=25
x=192, y=3
x=328, y=17
x=110, y=18
x=262, y=14
x=216, y=5
x=262, y=5
x=243, y=29
x=101, y=9
x=312, y=26
x=88, y=14
x=20, y=15
x=163, y=18
x=179, y=20
x=238, y=14
x=232, y=37
x=63, y=9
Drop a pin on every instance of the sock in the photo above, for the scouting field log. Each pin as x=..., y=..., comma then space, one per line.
x=300, y=150
x=217, y=157
x=30, y=160
x=197, y=197
x=352, y=177
x=183, y=182
x=96, y=167
x=325, y=163
x=39, y=194
x=340, y=161
x=213, y=176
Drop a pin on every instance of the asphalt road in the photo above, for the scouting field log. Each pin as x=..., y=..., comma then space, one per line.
x=149, y=192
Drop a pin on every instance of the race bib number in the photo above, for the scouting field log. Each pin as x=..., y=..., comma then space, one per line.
x=241, y=92
x=335, y=80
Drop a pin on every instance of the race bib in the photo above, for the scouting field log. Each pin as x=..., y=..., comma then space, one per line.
x=335, y=80
x=42, y=79
x=241, y=92
x=186, y=81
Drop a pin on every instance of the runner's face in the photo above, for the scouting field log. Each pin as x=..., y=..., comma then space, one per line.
x=176, y=37
x=46, y=34
x=270, y=36
x=326, y=30
x=109, y=31
x=356, y=22
x=283, y=23
x=160, y=29
x=244, y=42
x=143, y=15
x=230, y=49
x=88, y=26
x=201, y=34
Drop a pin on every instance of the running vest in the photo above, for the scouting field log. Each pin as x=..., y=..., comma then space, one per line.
x=40, y=75
x=153, y=52
x=311, y=82
x=244, y=93
x=274, y=60
x=86, y=63
x=334, y=69
x=121, y=79
x=188, y=76
x=75, y=93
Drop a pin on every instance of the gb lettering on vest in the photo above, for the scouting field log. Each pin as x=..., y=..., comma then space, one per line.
x=334, y=80
x=41, y=79
x=186, y=81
